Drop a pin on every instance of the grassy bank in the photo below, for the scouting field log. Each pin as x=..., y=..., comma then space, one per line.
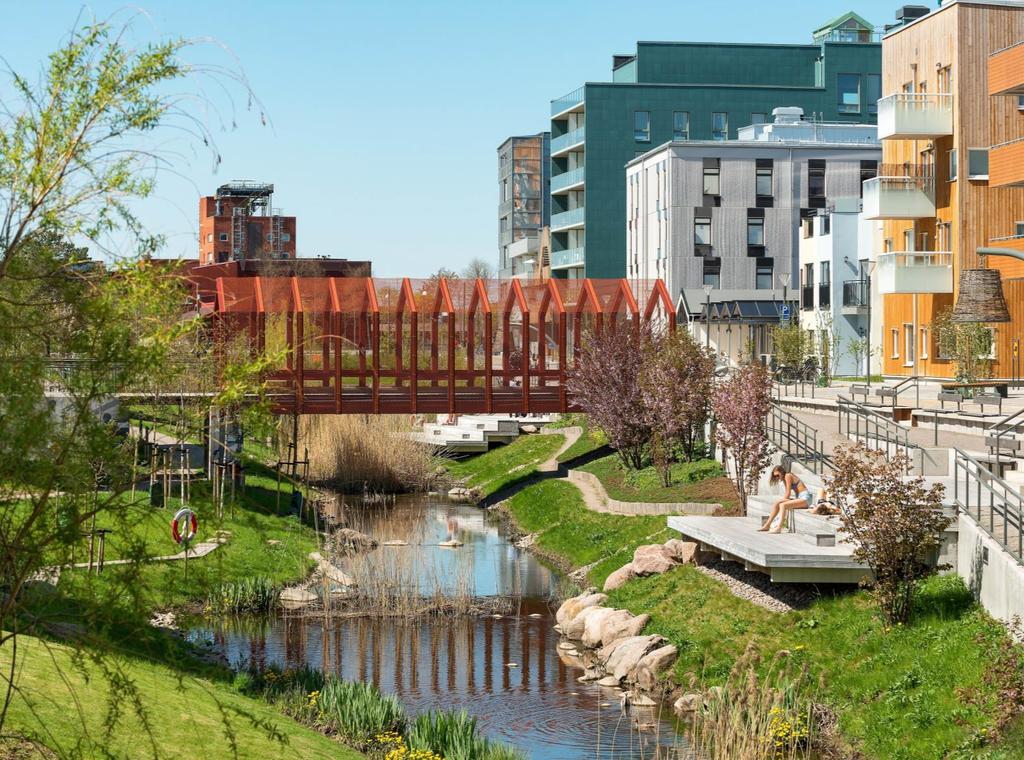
x=65, y=704
x=928, y=690
x=702, y=481
x=505, y=465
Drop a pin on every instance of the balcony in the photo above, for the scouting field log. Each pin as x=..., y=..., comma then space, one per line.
x=567, y=259
x=522, y=247
x=573, y=102
x=824, y=295
x=567, y=220
x=856, y=296
x=807, y=297
x=568, y=142
x=505, y=207
x=915, y=116
x=914, y=272
x=899, y=198
x=566, y=181
x=1006, y=71
x=1006, y=164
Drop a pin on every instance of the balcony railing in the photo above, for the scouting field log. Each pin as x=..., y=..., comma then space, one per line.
x=568, y=141
x=856, y=294
x=1006, y=71
x=562, y=183
x=567, y=220
x=572, y=257
x=571, y=102
x=899, y=198
x=807, y=297
x=914, y=272
x=824, y=294
x=1006, y=164
x=915, y=116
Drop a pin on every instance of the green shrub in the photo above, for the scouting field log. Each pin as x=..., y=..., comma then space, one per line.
x=357, y=711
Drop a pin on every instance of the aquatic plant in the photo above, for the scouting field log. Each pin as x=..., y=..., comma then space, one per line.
x=454, y=736
x=356, y=711
x=248, y=595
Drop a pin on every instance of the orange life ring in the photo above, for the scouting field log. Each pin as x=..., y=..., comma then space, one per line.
x=184, y=518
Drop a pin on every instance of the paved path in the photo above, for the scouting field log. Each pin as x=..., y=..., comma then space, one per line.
x=52, y=573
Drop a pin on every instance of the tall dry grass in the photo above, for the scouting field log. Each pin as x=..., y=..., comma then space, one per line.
x=363, y=453
x=753, y=717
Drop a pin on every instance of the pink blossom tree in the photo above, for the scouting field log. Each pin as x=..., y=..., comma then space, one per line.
x=676, y=379
x=606, y=385
x=741, y=405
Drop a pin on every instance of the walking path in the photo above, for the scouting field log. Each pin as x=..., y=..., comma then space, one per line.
x=52, y=573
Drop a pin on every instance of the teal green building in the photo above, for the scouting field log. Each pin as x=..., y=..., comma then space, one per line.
x=688, y=91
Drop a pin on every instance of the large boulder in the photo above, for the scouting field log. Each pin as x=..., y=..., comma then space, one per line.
x=652, y=665
x=684, y=552
x=572, y=607
x=349, y=541
x=626, y=656
x=611, y=627
x=620, y=577
x=688, y=703
x=652, y=559
x=591, y=636
x=575, y=627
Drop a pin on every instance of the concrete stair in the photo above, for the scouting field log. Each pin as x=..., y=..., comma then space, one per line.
x=818, y=530
x=476, y=432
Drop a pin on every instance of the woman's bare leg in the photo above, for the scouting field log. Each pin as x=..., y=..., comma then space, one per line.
x=785, y=508
x=768, y=522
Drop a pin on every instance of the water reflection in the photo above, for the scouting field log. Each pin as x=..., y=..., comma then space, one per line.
x=507, y=670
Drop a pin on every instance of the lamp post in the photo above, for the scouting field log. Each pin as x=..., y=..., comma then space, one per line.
x=707, y=316
x=867, y=346
x=784, y=279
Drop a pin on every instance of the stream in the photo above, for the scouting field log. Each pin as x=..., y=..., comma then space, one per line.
x=504, y=669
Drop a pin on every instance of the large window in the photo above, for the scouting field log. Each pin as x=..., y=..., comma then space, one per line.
x=702, y=230
x=872, y=91
x=755, y=231
x=826, y=272
x=848, y=88
x=816, y=183
x=712, y=178
x=977, y=163
x=908, y=342
x=763, y=181
x=680, y=125
x=763, y=277
x=719, y=125
x=642, y=126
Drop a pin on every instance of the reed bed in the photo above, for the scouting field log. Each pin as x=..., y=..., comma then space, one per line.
x=754, y=717
x=370, y=455
x=454, y=736
x=256, y=595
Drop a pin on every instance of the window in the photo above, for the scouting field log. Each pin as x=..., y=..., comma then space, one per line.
x=1020, y=102
x=223, y=237
x=945, y=77
x=895, y=343
x=944, y=236
x=680, y=125
x=764, y=277
x=758, y=118
x=755, y=231
x=826, y=272
x=642, y=126
x=816, y=183
x=286, y=237
x=209, y=237
x=1019, y=229
x=872, y=91
x=825, y=225
x=908, y=239
x=977, y=163
x=702, y=230
x=719, y=125
x=924, y=342
x=808, y=275
x=763, y=181
x=952, y=165
x=714, y=279
x=908, y=343
x=712, y=178
x=848, y=88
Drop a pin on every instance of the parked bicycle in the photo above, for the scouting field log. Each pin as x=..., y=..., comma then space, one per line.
x=808, y=372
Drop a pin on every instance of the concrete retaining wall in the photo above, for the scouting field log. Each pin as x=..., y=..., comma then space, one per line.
x=994, y=576
x=642, y=507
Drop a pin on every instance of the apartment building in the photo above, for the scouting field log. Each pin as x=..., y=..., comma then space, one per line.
x=952, y=178
x=678, y=91
x=524, y=204
x=240, y=223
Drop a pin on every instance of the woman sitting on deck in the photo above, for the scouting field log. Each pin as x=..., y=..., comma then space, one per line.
x=793, y=485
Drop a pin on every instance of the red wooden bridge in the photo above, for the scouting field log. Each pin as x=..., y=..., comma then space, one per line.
x=357, y=345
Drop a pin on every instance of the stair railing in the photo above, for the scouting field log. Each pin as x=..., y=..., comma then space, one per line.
x=857, y=421
x=993, y=504
x=797, y=439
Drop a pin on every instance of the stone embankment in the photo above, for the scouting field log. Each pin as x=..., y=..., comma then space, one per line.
x=609, y=643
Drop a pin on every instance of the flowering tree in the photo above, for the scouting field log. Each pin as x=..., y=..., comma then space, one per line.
x=606, y=385
x=675, y=383
x=893, y=521
x=741, y=405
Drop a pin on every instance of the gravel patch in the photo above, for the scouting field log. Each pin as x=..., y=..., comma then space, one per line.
x=758, y=588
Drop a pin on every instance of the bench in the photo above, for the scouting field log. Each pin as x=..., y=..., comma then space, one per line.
x=860, y=390
x=952, y=397
x=989, y=399
x=1002, y=388
x=887, y=393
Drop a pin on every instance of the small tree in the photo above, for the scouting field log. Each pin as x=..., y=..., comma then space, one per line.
x=675, y=380
x=741, y=405
x=790, y=343
x=968, y=344
x=478, y=267
x=893, y=521
x=606, y=385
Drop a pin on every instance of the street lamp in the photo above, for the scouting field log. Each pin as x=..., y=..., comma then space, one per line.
x=870, y=271
x=784, y=279
x=707, y=315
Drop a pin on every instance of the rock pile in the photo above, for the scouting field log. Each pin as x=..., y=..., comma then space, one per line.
x=653, y=559
x=348, y=541
x=461, y=494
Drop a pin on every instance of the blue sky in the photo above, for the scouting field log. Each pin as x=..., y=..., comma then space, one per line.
x=385, y=116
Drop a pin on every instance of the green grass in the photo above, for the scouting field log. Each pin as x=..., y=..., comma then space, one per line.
x=701, y=481
x=591, y=440
x=64, y=703
x=495, y=469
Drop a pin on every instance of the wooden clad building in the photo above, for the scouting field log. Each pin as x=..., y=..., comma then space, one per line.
x=942, y=129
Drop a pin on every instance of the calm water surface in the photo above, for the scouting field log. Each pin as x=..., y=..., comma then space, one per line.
x=507, y=671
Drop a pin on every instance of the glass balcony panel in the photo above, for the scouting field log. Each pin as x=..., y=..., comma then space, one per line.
x=567, y=220
x=572, y=257
x=571, y=102
x=570, y=180
x=899, y=198
x=915, y=116
x=914, y=272
x=564, y=143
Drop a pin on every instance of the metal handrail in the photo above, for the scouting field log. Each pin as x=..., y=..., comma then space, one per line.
x=916, y=380
x=1007, y=428
x=994, y=505
x=799, y=388
x=870, y=425
x=797, y=439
